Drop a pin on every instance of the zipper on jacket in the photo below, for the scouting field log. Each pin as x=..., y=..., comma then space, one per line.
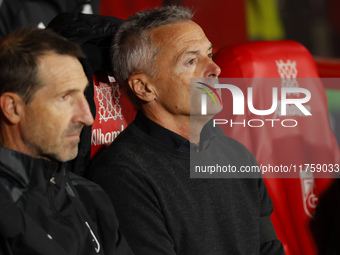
x=56, y=213
x=79, y=207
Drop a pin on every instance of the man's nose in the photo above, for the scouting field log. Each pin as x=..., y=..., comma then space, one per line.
x=213, y=70
x=84, y=114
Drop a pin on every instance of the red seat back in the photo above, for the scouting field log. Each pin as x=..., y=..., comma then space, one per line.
x=113, y=111
x=289, y=64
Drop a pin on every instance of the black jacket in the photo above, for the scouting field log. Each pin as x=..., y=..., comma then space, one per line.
x=46, y=210
x=18, y=13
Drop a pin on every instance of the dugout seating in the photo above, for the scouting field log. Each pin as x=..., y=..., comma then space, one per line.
x=282, y=64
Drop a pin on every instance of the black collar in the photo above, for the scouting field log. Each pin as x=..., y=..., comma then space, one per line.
x=171, y=139
x=21, y=171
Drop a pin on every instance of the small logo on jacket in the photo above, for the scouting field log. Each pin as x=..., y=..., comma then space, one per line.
x=95, y=240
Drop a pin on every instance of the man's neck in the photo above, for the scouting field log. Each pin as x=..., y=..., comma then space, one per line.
x=11, y=138
x=189, y=127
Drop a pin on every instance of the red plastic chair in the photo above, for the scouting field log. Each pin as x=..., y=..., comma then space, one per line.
x=310, y=141
x=114, y=112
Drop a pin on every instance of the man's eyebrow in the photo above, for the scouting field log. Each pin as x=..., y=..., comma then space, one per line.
x=196, y=51
x=71, y=90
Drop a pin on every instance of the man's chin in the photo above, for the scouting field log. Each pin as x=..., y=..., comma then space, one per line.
x=64, y=156
x=212, y=111
x=70, y=156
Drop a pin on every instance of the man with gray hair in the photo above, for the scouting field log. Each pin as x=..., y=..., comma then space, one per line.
x=145, y=170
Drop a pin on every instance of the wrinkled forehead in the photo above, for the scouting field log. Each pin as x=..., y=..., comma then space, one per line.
x=54, y=66
x=178, y=34
x=61, y=71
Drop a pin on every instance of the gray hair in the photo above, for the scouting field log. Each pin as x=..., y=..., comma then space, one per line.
x=133, y=50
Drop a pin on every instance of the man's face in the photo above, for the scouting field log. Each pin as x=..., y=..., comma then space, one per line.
x=185, y=53
x=55, y=117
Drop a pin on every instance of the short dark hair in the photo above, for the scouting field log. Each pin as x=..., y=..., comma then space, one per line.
x=132, y=48
x=19, y=54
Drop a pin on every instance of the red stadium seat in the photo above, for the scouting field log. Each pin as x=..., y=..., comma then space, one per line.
x=113, y=111
x=294, y=196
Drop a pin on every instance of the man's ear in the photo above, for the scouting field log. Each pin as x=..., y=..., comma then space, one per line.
x=11, y=106
x=140, y=85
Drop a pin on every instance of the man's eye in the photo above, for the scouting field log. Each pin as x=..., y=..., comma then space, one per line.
x=191, y=61
x=65, y=97
x=210, y=55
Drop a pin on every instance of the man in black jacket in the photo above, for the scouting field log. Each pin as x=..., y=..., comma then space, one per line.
x=146, y=169
x=43, y=208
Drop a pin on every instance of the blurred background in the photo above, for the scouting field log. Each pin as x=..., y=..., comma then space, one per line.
x=314, y=23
